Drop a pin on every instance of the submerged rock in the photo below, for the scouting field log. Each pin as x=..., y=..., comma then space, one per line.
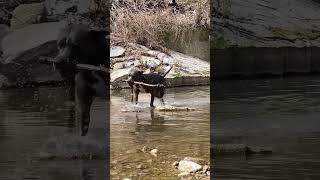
x=71, y=146
x=154, y=152
x=170, y=108
x=241, y=149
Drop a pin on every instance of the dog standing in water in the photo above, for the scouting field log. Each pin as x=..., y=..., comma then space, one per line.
x=153, y=83
x=78, y=44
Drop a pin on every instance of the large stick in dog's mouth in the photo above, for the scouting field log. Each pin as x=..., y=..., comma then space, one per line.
x=79, y=66
x=145, y=84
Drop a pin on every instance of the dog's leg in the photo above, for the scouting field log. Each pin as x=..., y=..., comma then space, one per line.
x=162, y=101
x=136, y=94
x=84, y=99
x=132, y=94
x=151, y=101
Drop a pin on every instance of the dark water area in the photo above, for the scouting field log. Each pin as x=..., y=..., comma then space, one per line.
x=39, y=138
x=281, y=114
x=175, y=134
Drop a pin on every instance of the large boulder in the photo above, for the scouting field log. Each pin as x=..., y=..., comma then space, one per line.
x=22, y=49
x=26, y=14
x=260, y=23
x=22, y=40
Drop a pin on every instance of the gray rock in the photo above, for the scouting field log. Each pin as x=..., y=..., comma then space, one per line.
x=27, y=38
x=26, y=14
x=267, y=23
x=197, y=160
x=189, y=166
x=150, y=61
x=241, y=149
x=116, y=51
x=59, y=7
x=22, y=49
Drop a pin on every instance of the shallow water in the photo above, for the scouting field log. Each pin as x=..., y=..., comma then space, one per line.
x=282, y=114
x=175, y=134
x=37, y=122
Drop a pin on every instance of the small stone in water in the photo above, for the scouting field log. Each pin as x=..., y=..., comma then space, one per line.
x=205, y=168
x=183, y=174
x=176, y=163
x=154, y=152
x=144, y=149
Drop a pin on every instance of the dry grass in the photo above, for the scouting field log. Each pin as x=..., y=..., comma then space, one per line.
x=147, y=22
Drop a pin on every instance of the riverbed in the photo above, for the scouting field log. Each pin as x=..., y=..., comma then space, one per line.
x=281, y=114
x=175, y=135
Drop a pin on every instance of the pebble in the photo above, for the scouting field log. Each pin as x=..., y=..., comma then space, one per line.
x=154, y=152
x=176, y=163
x=205, y=168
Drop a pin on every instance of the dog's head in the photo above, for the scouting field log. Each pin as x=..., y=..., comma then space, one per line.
x=79, y=44
x=135, y=74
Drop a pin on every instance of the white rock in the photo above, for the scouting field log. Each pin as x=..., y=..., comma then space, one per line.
x=154, y=152
x=116, y=51
x=189, y=166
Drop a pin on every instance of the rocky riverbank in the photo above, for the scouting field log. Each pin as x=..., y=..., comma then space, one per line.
x=187, y=70
x=31, y=35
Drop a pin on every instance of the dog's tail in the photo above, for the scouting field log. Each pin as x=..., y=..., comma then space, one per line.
x=167, y=71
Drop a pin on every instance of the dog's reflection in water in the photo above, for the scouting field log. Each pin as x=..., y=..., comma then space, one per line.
x=154, y=124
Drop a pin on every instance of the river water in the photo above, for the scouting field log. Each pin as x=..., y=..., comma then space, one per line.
x=38, y=138
x=281, y=114
x=175, y=134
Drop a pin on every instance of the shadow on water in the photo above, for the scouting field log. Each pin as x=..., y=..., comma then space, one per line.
x=39, y=139
x=282, y=114
x=138, y=128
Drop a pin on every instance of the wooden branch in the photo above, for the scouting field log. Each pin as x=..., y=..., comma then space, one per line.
x=151, y=85
x=145, y=84
x=79, y=66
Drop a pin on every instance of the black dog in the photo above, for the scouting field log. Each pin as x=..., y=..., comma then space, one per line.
x=78, y=44
x=153, y=83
